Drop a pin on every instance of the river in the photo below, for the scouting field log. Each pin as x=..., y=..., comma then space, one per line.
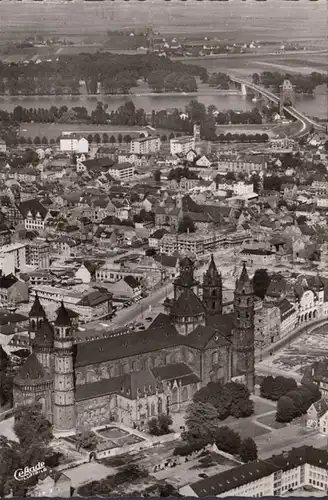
x=311, y=105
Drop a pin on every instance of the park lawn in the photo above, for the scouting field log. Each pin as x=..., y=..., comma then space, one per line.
x=270, y=420
x=246, y=428
x=263, y=406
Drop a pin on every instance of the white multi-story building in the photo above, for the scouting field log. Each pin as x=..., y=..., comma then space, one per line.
x=277, y=475
x=242, y=188
x=12, y=256
x=73, y=143
x=145, y=145
x=122, y=171
x=181, y=145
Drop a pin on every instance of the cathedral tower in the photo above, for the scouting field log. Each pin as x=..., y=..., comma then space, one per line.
x=186, y=279
x=212, y=289
x=43, y=345
x=243, y=356
x=36, y=316
x=64, y=382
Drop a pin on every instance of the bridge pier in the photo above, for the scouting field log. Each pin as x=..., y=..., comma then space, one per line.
x=243, y=89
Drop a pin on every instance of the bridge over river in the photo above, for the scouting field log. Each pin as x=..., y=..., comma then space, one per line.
x=307, y=123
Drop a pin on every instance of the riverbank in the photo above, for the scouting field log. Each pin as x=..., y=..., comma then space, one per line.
x=211, y=91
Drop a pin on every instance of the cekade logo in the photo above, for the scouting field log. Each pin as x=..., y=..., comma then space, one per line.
x=27, y=472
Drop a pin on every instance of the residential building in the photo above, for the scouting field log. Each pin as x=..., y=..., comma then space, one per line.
x=12, y=291
x=73, y=143
x=247, y=165
x=276, y=475
x=37, y=254
x=127, y=288
x=182, y=145
x=258, y=257
x=145, y=145
x=122, y=171
x=12, y=256
x=34, y=214
x=54, y=484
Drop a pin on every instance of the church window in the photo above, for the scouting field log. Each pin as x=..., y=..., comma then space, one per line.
x=215, y=358
x=33, y=324
x=213, y=293
x=184, y=394
x=175, y=395
x=213, y=305
x=152, y=409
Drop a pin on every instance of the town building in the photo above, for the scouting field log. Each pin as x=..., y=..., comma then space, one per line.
x=73, y=143
x=182, y=145
x=276, y=475
x=122, y=171
x=134, y=377
x=145, y=145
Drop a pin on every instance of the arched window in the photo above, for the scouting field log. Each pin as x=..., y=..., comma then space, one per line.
x=215, y=358
x=175, y=395
x=152, y=409
x=184, y=394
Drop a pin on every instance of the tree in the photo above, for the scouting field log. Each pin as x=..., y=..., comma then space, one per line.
x=261, y=282
x=227, y=440
x=44, y=140
x=164, y=138
x=37, y=140
x=215, y=394
x=275, y=387
x=248, y=450
x=97, y=138
x=105, y=138
x=31, y=427
x=127, y=138
x=157, y=176
x=241, y=404
x=87, y=440
x=112, y=139
x=90, y=138
x=29, y=140
x=119, y=138
x=201, y=422
x=160, y=425
x=230, y=176
x=285, y=410
x=186, y=225
x=10, y=460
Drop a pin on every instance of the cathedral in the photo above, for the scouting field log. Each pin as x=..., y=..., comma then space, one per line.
x=141, y=374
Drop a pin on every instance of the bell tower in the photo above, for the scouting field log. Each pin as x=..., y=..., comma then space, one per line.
x=186, y=278
x=64, y=382
x=37, y=316
x=243, y=356
x=212, y=289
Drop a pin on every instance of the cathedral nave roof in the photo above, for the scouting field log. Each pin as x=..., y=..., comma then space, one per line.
x=161, y=334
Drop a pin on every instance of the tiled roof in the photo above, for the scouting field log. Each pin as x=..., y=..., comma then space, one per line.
x=233, y=478
x=33, y=206
x=31, y=370
x=187, y=304
x=63, y=318
x=44, y=336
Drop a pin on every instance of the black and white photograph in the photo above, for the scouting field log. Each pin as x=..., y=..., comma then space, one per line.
x=163, y=248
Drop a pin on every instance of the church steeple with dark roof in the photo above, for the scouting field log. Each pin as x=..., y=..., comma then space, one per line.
x=212, y=289
x=63, y=318
x=43, y=344
x=36, y=317
x=186, y=278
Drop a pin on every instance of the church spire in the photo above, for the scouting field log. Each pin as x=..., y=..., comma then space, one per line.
x=212, y=289
x=243, y=283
